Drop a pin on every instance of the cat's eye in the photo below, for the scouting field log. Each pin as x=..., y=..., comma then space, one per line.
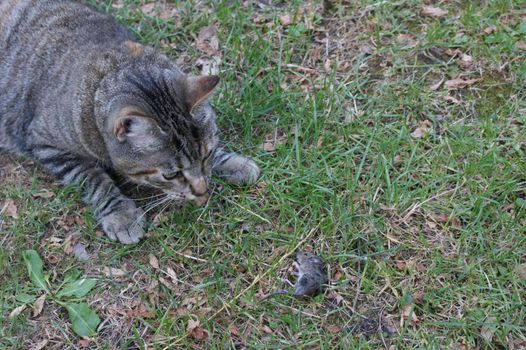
x=171, y=176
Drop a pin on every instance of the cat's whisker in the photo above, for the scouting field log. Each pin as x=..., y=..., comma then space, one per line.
x=157, y=204
x=150, y=197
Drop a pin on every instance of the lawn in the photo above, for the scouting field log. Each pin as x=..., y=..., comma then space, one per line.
x=391, y=140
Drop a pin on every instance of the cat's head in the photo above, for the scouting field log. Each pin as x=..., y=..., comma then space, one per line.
x=162, y=132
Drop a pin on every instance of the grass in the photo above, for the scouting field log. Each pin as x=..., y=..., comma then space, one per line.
x=414, y=194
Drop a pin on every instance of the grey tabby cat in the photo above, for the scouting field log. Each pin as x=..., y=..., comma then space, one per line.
x=82, y=99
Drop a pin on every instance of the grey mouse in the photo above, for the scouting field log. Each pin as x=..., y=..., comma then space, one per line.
x=312, y=274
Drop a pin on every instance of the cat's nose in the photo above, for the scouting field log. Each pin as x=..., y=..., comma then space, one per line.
x=199, y=186
x=201, y=201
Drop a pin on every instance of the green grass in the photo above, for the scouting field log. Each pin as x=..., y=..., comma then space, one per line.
x=432, y=224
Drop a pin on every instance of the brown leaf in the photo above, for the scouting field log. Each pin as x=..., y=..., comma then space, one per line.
x=488, y=331
x=440, y=218
x=285, y=20
x=84, y=343
x=114, y=272
x=195, y=330
x=407, y=40
x=141, y=311
x=333, y=328
x=233, y=330
x=154, y=262
x=10, y=209
x=407, y=311
x=431, y=11
x=207, y=41
x=418, y=133
x=521, y=45
x=459, y=83
x=465, y=61
x=521, y=271
x=148, y=9
x=436, y=85
x=268, y=146
x=44, y=194
x=171, y=273
x=39, y=306
x=431, y=224
x=401, y=265
x=489, y=30
x=70, y=242
x=327, y=66
x=17, y=311
x=266, y=329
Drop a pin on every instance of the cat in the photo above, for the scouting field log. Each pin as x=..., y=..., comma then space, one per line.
x=83, y=100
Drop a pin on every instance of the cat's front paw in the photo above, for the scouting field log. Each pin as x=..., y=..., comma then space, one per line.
x=124, y=224
x=238, y=170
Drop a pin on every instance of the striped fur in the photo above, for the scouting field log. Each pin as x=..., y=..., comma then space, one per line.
x=82, y=99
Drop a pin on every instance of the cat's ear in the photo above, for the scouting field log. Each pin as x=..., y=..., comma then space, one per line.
x=199, y=88
x=131, y=127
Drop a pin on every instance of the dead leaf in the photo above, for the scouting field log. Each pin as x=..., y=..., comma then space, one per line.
x=459, y=83
x=327, y=66
x=39, y=306
x=79, y=251
x=148, y=9
x=10, y=209
x=141, y=311
x=70, y=242
x=17, y=311
x=207, y=41
x=489, y=30
x=44, y=194
x=272, y=140
x=285, y=20
x=233, y=330
x=521, y=271
x=431, y=11
x=333, y=329
x=418, y=133
x=521, y=45
x=401, y=265
x=84, y=343
x=487, y=331
x=195, y=330
x=432, y=225
x=114, y=272
x=465, y=61
x=266, y=329
x=154, y=262
x=436, y=85
x=409, y=310
x=40, y=345
x=171, y=273
x=406, y=40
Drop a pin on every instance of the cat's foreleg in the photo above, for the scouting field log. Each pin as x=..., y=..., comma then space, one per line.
x=234, y=168
x=120, y=218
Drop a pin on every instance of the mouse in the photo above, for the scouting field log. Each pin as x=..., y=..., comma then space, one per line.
x=312, y=274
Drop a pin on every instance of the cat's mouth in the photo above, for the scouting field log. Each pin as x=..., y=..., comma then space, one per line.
x=198, y=200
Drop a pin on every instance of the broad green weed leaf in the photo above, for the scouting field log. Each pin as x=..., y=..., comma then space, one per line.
x=78, y=288
x=25, y=298
x=34, y=267
x=83, y=319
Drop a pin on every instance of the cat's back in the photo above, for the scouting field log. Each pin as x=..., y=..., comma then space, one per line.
x=45, y=49
x=54, y=23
